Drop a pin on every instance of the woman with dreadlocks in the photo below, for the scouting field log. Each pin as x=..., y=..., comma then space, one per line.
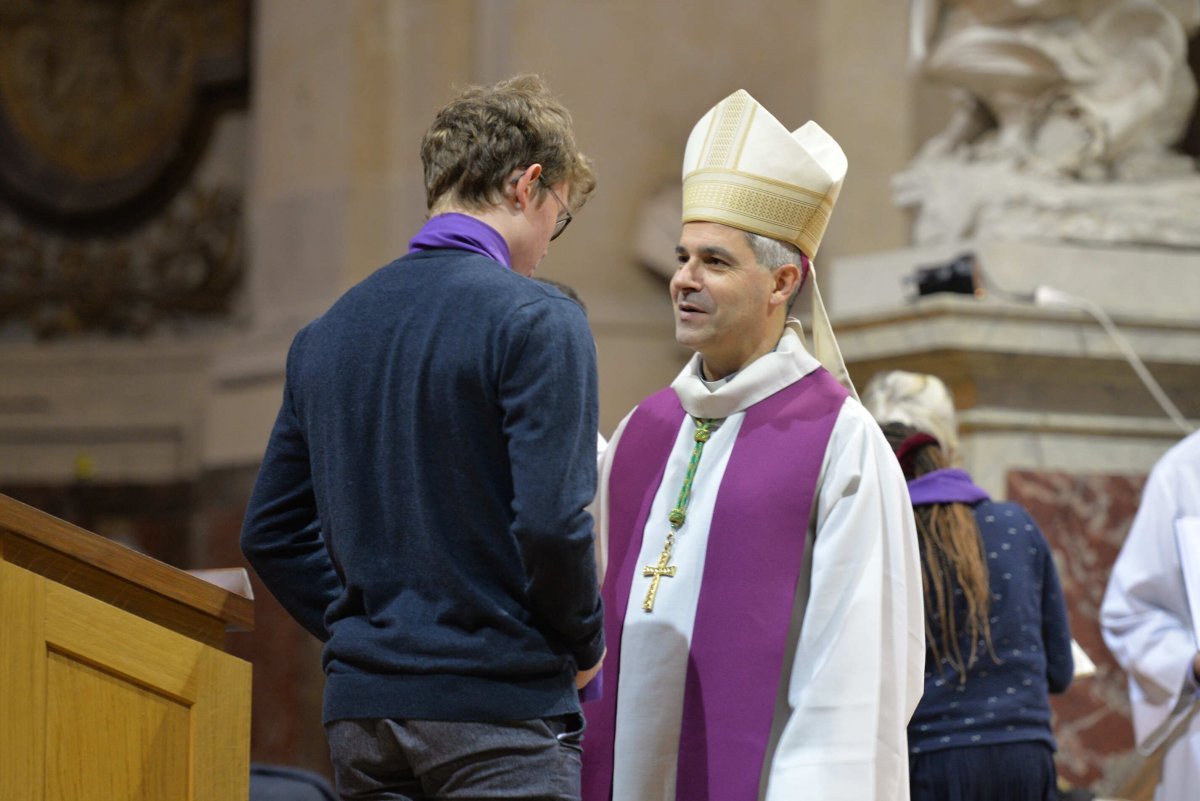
x=997, y=639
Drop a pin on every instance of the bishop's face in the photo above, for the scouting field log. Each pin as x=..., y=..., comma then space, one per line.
x=722, y=298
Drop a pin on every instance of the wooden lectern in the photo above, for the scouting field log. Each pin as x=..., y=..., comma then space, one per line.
x=114, y=682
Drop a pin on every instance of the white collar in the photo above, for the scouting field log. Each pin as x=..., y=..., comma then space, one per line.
x=757, y=381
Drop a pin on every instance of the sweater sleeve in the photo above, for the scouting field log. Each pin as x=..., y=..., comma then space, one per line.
x=548, y=392
x=281, y=532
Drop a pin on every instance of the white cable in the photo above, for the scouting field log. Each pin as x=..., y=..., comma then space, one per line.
x=1049, y=296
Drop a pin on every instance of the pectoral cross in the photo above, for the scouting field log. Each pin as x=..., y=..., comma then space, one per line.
x=658, y=572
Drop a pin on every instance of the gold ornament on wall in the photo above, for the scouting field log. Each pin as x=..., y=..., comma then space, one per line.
x=103, y=102
x=106, y=108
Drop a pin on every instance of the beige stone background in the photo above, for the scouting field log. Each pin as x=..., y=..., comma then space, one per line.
x=155, y=440
x=344, y=92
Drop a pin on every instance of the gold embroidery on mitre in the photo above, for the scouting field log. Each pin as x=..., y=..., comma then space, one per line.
x=791, y=214
x=727, y=135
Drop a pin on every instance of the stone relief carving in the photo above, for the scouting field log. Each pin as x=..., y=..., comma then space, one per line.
x=184, y=266
x=1066, y=111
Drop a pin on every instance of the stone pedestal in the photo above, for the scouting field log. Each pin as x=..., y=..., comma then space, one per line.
x=1050, y=413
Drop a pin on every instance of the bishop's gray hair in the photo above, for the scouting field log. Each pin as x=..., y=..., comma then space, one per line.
x=773, y=254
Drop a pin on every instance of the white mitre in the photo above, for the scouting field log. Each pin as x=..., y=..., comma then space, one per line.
x=743, y=169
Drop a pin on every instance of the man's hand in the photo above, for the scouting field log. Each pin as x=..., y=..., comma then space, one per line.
x=1195, y=667
x=584, y=677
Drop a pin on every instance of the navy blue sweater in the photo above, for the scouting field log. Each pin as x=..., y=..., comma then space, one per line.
x=1005, y=702
x=421, y=503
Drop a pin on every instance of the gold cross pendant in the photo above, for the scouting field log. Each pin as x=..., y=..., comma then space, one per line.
x=658, y=572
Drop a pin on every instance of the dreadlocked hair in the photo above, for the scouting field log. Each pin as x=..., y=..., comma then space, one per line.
x=952, y=558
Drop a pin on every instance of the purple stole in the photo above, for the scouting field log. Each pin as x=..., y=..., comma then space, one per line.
x=755, y=555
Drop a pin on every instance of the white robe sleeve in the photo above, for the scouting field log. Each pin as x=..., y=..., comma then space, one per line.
x=605, y=454
x=858, y=671
x=1145, y=618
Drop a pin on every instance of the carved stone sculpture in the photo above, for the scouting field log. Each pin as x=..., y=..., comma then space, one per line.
x=178, y=270
x=1066, y=111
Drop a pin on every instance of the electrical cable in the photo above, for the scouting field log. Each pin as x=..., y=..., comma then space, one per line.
x=1049, y=296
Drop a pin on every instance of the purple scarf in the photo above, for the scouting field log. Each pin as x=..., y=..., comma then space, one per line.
x=948, y=485
x=460, y=232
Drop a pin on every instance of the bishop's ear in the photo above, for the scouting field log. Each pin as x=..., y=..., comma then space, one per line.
x=787, y=283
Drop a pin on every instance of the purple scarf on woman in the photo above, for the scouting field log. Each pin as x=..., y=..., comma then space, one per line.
x=948, y=485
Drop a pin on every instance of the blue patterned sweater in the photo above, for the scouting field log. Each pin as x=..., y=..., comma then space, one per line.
x=1008, y=701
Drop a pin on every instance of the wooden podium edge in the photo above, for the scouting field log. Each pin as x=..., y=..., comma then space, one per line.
x=44, y=533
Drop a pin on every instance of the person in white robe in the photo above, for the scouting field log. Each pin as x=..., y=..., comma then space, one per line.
x=1148, y=624
x=804, y=686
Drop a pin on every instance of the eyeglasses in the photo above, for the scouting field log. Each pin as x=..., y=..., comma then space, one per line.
x=564, y=219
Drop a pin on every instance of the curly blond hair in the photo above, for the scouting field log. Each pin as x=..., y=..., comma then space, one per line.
x=485, y=133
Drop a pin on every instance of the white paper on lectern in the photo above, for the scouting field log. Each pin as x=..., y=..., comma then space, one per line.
x=1187, y=538
x=1084, y=666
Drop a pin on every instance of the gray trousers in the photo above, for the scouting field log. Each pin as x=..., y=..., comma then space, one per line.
x=422, y=760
